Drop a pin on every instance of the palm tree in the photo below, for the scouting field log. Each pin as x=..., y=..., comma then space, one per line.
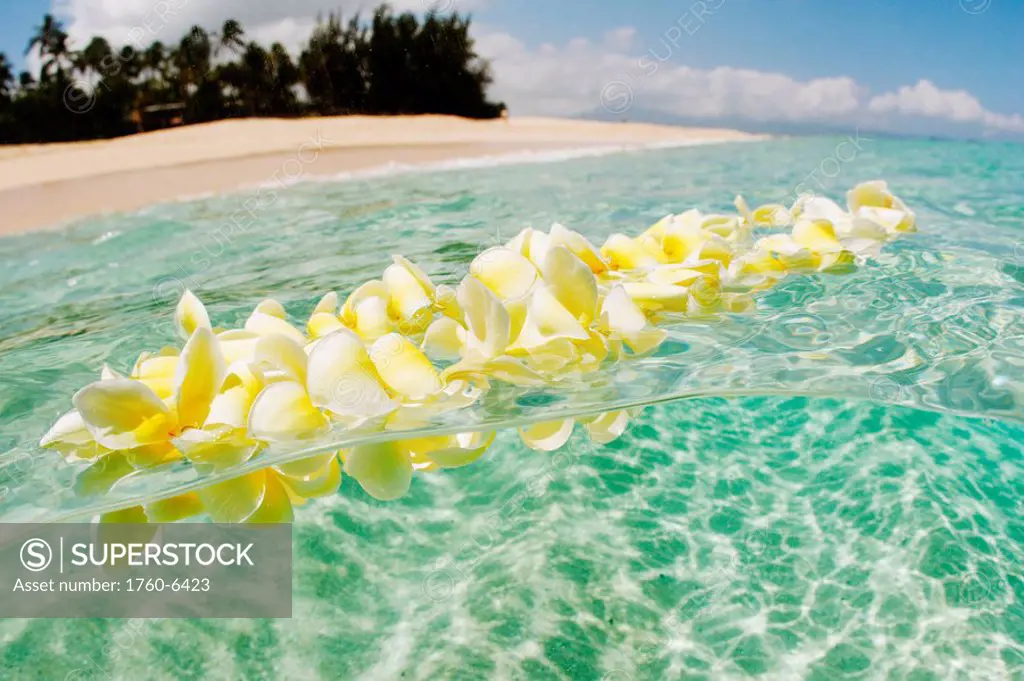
x=6, y=75
x=192, y=59
x=395, y=63
x=155, y=59
x=52, y=42
x=97, y=57
x=231, y=37
x=334, y=66
x=284, y=76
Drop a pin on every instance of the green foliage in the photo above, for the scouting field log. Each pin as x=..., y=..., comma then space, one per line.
x=391, y=64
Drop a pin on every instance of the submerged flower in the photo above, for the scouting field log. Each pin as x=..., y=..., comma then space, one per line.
x=269, y=495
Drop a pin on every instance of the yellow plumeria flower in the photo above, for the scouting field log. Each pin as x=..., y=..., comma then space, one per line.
x=224, y=440
x=189, y=315
x=268, y=495
x=268, y=319
x=125, y=413
x=532, y=244
x=549, y=436
x=157, y=371
x=572, y=283
x=482, y=344
x=578, y=246
x=324, y=319
x=336, y=378
x=547, y=321
x=384, y=470
x=545, y=307
x=506, y=272
x=874, y=201
x=411, y=294
x=623, y=321
x=625, y=253
x=768, y=215
x=403, y=300
x=72, y=438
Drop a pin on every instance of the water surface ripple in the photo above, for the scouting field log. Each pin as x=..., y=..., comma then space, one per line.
x=830, y=487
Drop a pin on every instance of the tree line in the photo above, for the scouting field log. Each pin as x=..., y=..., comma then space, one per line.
x=391, y=64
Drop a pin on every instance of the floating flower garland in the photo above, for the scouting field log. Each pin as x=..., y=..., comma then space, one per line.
x=545, y=306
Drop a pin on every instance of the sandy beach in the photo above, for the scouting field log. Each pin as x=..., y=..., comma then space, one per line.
x=47, y=185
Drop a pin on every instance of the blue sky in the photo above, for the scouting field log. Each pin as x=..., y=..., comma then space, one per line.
x=863, y=51
x=881, y=43
x=17, y=17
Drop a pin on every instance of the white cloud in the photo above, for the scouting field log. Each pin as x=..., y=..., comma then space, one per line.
x=290, y=32
x=581, y=77
x=926, y=100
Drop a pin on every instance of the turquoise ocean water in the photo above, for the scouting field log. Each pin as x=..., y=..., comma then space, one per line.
x=829, y=488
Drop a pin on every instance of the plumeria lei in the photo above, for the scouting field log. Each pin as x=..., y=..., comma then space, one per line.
x=543, y=307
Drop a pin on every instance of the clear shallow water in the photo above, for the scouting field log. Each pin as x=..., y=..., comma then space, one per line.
x=859, y=516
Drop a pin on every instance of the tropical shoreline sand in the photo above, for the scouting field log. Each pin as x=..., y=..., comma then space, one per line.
x=47, y=185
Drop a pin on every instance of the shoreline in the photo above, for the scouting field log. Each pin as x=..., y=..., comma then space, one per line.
x=47, y=186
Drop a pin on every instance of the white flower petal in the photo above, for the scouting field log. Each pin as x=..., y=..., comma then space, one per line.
x=579, y=246
x=816, y=235
x=674, y=274
x=68, y=434
x=321, y=483
x=276, y=506
x=625, y=253
x=507, y=273
x=404, y=368
x=175, y=508
x=416, y=271
x=547, y=320
x=198, y=377
x=272, y=307
x=343, y=380
x=263, y=324
x=157, y=371
x=547, y=436
x=571, y=282
x=283, y=412
x=446, y=302
x=444, y=339
x=452, y=451
x=237, y=345
x=322, y=323
x=409, y=299
x=281, y=356
x=657, y=296
x=189, y=315
x=372, y=319
x=122, y=413
x=234, y=500
x=607, y=426
x=375, y=288
x=487, y=320
x=819, y=208
x=327, y=305
x=240, y=387
x=216, y=449
x=384, y=469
